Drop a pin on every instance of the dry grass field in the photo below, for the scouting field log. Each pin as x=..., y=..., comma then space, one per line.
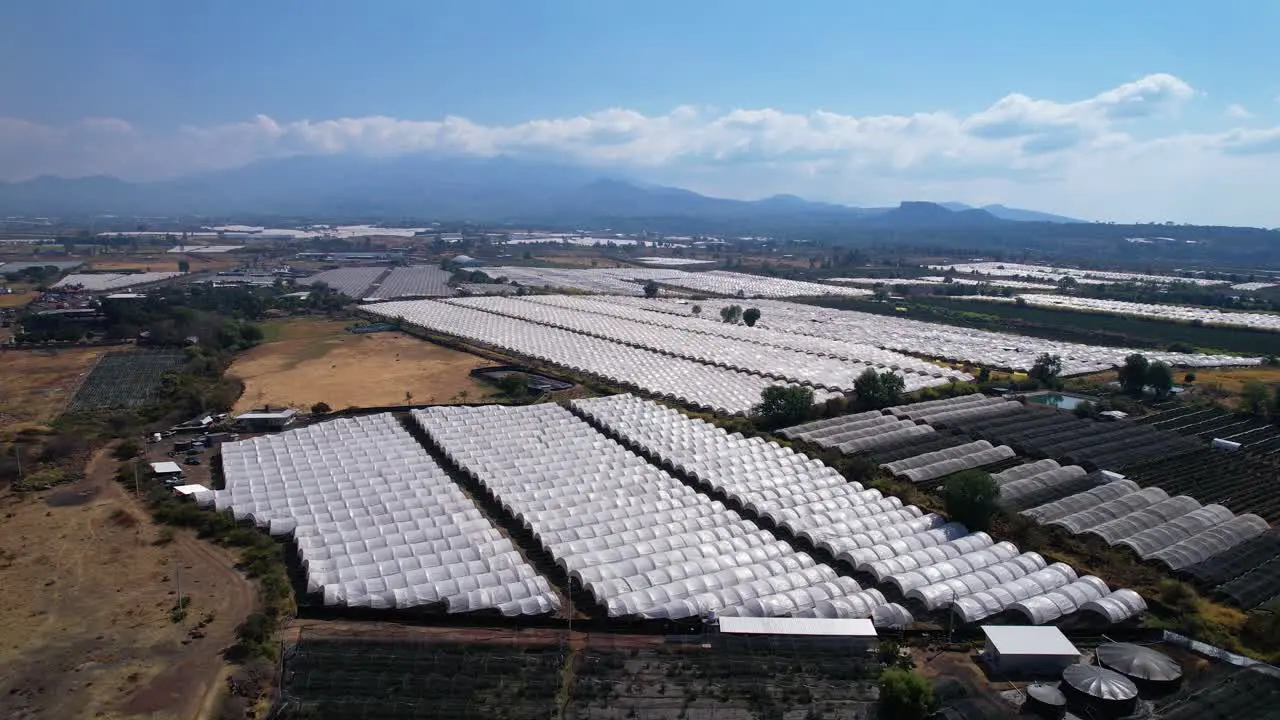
x=306, y=361
x=39, y=383
x=17, y=299
x=85, y=627
x=165, y=262
x=1231, y=380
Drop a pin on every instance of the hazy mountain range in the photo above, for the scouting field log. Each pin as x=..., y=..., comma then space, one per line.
x=491, y=190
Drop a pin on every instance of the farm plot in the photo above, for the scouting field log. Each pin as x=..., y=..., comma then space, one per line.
x=693, y=383
x=349, y=678
x=916, y=553
x=1177, y=531
x=39, y=384
x=637, y=310
x=593, y=281
x=376, y=522
x=414, y=281
x=99, y=282
x=939, y=341
x=1255, y=435
x=642, y=543
x=126, y=379
x=1237, y=480
x=1174, y=313
x=731, y=284
x=354, y=282
x=1054, y=274
x=742, y=353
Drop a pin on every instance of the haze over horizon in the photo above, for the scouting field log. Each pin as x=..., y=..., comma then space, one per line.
x=1138, y=112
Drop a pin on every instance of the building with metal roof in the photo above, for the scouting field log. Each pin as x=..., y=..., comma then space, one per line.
x=853, y=635
x=266, y=420
x=1028, y=649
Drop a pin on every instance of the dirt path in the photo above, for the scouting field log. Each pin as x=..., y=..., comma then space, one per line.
x=90, y=635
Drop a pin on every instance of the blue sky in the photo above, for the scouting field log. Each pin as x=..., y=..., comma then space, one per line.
x=145, y=88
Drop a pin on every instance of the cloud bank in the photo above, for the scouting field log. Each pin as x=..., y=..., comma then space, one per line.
x=1095, y=158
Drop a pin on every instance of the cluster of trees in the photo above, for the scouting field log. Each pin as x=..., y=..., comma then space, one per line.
x=1046, y=370
x=39, y=275
x=876, y=390
x=784, y=405
x=1139, y=373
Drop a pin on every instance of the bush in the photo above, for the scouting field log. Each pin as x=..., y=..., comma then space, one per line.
x=781, y=406
x=321, y=408
x=972, y=498
x=750, y=316
x=904, y=695
x=875, y=390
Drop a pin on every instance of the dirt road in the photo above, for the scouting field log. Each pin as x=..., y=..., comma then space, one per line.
x=89, y=635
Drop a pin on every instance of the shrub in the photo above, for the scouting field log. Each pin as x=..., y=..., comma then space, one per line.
x=782, y=405
x=904, y=695
x=321, y=408
x=750, y=316
x=972, y=498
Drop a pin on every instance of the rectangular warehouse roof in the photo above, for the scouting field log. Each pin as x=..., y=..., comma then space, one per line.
x=1029, y=640
x=797, y=626
x=166, y=468
x=274, y=415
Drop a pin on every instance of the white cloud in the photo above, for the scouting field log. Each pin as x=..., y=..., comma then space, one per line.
x=1236, y=111
x=1087, y=157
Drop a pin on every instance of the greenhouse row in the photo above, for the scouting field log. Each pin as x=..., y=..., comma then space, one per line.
x=1177, y=313
x=581, y=495
x=637, y=309
x=721, y=282
x=940, y=463
x=869, y=533
x=376, y=522
x=99, y=282
x=744, y=355
x=1054, y=274
x=958, y=344
x=354, y=282
x=414, y=281
x=693, y=383
x=1175, y=531
x=591, y=281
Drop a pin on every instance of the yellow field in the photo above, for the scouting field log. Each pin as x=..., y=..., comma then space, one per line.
x=17, y=300
x=38, y=383
x=309, y=361
x=1226, y=383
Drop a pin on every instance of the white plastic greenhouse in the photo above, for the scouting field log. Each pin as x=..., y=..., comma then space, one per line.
x=997, y=599
x=941, y=594
x=1113, y=531
x=376, y=522
x=1147, y=542
x=1080, y=501
x=1211, y=542
x=1116, y=607
x=585, y=498
x=1063, y=601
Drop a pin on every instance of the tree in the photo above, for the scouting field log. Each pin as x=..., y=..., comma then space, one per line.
x=750, y=316
x=1046, y=369
x=972, y=498
x=696, y=310
x=875, y=390
x=984, y=375
x=1160, y=378
x=904, y=695
x=783, y=405
x=1133, y=374
x=1189, y=377
x=731, y=314
x=1068, y=283
x=1253, y=398
x=880, y=294
x=651, y=289
x=321, y=408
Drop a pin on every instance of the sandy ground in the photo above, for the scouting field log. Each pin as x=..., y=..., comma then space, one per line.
x=168, y=262
x=310, y=361
x=38, y=383
x=85, y=630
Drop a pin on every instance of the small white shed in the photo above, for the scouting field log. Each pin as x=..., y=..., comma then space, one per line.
x=1029, y=649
